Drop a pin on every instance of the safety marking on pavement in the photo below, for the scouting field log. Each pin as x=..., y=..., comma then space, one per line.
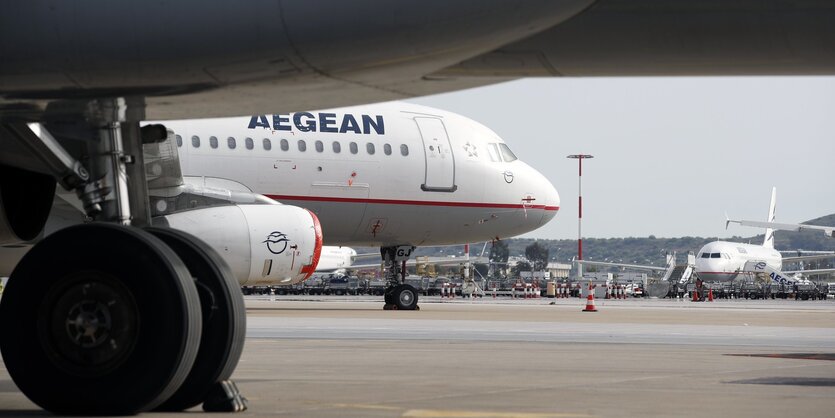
x=436, y=413
x=789, y=381
x=799, y=356
x=366, y=406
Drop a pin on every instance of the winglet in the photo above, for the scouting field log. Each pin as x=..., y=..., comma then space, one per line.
x=727, y=221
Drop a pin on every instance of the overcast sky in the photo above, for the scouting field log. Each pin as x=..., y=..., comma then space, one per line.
x=672, y=155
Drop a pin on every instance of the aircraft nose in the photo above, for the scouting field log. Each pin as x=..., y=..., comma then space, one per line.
x=552, y=200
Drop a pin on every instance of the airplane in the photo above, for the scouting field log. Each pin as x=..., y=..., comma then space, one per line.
x=334, y=258
x=722, y=261
x=393, y=175
x=89, y=85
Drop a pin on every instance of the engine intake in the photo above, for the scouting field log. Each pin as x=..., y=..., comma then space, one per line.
x=25, y=201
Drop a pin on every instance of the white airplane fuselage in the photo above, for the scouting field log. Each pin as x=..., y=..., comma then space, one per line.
x=386, y=174
x=722, y=261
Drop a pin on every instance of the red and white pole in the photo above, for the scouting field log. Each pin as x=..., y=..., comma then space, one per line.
x=580, y=158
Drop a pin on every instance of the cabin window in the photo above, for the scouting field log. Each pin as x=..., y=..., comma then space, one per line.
x=337, y=147
x=302, y=145
x=250, y=144
x=387, y=149
x=320, y=147
x=268, y=145
x=195, y=141
x=369, y=148
x=353, y=147
x=213, y=141
x=493, y=151
x=231, y=143
x=179, y=141
x=507, y=154
x=404, y=150
x=285, y=145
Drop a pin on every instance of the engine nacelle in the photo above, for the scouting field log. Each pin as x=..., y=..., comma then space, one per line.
x=263, y=244
x=25, y=203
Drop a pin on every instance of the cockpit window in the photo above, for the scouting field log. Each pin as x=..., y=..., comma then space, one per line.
x=507, y=154
x=493, y=150
x=705, y=255
x=715, y=255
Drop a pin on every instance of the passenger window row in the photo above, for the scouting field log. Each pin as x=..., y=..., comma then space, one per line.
x=301, y=144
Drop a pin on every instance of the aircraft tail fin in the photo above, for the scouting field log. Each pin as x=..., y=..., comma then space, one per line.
x=768, y=242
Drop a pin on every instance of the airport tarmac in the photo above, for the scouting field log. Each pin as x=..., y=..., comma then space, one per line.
x=346, y=357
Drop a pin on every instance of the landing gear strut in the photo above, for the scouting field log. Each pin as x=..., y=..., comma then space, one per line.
x=398, y=294
x=106, y=318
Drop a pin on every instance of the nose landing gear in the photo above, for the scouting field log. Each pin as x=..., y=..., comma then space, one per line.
x=398, y=294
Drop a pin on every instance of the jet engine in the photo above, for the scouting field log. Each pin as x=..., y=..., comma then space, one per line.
x=263, y=244
x=25, y=203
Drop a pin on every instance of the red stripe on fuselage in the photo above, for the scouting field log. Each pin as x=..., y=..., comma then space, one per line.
x=413, y=202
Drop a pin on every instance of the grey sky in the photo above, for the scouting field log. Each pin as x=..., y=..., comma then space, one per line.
x=672, y=155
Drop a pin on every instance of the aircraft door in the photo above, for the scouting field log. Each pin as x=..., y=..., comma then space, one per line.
x=440, y=163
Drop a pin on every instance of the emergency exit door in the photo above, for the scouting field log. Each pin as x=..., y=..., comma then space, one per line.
x=440, y=163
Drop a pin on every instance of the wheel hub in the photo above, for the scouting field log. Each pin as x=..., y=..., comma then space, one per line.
x=406, y=297
x=89, y=323
x=92, y=324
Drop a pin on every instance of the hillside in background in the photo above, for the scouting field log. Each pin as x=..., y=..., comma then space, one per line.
x=649, y=250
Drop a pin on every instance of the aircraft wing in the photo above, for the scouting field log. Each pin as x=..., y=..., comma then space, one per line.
x=812, y=272
x=440, y=261
x=628, y=266
x=808, y=257
x=829, y=231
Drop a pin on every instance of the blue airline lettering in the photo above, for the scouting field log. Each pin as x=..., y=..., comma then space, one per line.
x=259, y=121
x=322, y=122
x=349, y=123
x=378, y=125
x=326, y=122
x=279, y=123
x=309, y=126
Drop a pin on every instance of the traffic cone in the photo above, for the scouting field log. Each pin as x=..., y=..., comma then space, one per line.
x=590, y=300
x=710, y=295
x=695, y=296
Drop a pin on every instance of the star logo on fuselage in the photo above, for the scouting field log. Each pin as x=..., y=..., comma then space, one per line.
x=471, y=150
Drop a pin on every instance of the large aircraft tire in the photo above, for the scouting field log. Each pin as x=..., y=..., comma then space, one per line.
x=405, y=297
x=224, y=318
x=99, y=319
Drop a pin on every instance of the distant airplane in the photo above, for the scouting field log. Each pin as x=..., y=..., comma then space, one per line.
x=334, y=258
x=721, y=261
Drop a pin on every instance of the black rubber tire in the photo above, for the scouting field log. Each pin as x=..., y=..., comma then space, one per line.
x=224, y=318
x=405, y=297
x=54, y=344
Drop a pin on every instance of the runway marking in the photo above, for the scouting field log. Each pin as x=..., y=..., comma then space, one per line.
x=438, y=413
x=367, y=406
x=798, y=356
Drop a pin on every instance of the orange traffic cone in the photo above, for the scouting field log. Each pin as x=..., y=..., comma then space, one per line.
x=590, y=300
x=710, y=295
x=695, y=296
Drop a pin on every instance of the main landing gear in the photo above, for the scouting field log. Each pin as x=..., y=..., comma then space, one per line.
x=398, y=294
x=105, y=318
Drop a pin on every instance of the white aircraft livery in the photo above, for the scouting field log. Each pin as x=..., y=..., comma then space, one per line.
x=721, y=261
x=380, y=175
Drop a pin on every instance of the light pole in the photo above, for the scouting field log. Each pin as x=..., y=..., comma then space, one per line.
x=580, y=158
